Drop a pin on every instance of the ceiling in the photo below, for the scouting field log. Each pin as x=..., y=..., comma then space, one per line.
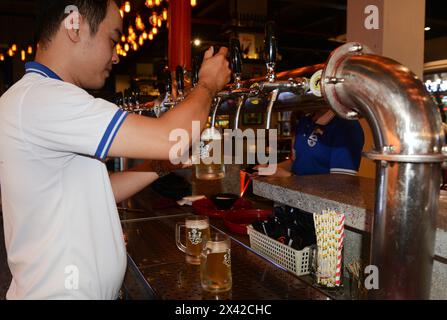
x=307, y=29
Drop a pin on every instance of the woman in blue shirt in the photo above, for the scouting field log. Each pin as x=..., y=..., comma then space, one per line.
x=324, y=143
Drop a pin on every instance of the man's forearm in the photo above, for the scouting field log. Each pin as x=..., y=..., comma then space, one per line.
x=128, y=183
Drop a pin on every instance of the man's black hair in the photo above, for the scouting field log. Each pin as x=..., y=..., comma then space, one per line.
x=52, y=14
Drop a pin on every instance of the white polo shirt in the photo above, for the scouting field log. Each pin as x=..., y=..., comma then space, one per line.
x=62, y=229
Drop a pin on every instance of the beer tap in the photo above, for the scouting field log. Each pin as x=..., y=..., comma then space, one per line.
x=271, y=86
x=238, y=91
x=167, y=103
x=195, y=72
x=235, y=90
x=180, y=79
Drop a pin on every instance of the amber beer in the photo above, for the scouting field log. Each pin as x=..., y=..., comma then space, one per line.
x=215, y=271
x=210, y=163
x=197, y=233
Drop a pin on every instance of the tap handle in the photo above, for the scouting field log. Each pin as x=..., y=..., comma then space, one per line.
x=270, y=42
x=180, y=79
x=236, y=56
x=168, y=82
x=195, y=71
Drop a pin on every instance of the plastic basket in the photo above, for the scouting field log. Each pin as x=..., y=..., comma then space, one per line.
x=298, y=262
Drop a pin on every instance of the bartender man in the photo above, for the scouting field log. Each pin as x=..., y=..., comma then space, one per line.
x=324, y=143
x=62, y=230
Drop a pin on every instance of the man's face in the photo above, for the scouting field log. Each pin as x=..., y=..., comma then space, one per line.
x=98, y=52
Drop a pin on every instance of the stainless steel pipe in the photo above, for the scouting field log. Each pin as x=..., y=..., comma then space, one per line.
x=408, y=137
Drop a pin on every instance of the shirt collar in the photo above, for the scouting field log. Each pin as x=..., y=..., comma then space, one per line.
x=36, y=67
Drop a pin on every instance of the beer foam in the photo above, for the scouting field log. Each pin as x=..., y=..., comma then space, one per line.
x=196, y=224
x=217, y=247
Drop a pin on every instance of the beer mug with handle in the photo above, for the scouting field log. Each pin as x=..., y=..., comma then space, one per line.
x=210, y=159
x=215, y=265
x=197, y=233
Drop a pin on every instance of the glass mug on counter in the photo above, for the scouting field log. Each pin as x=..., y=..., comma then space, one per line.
x=197, y=233
x=215, y=265
x=209, y=163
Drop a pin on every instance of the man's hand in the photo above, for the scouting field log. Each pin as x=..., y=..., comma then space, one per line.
x=215, y=72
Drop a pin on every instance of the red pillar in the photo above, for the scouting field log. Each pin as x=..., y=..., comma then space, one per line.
x=179, y=34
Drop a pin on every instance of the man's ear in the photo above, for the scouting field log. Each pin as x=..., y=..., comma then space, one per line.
x=72, y=26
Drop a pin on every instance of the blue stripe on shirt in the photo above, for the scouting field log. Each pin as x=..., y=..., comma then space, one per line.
x=109, y=135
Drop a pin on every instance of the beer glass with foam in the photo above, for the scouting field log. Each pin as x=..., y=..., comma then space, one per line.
x=197, y=231
x=215, y=265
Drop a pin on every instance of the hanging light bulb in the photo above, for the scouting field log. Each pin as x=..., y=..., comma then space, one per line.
x=135, y=47
x=30, y=50
x=124, y=54
x=123, y=38
x=159, y=22
x=126, y=47
x=153, y=19
x=10, y=52
x=149, y=3
x=141, y=41
x=14, y=47
x=165, y=14
x=154, y=30
x=23, y=55
x=2, y=57
x=139, y=23
x=157, y=2
x=131, y=31
x=193, y=3
x=144, y=35
x=127, y=7
x=151, y=36
x=122, y=13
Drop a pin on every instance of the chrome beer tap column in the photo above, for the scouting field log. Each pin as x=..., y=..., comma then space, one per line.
x=408, y=140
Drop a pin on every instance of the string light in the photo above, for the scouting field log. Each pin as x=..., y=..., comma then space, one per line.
x=10, y=52
x=2, y=57
x=30, y=50
x=193, y=3
x=127, y=7
x=23, y=55
x=14, y=47
x=139, y=30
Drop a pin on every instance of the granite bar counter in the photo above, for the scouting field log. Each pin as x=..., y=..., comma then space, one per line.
x=353, y=196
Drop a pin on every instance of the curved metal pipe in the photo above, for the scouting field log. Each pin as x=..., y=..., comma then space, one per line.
x=408, y=137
